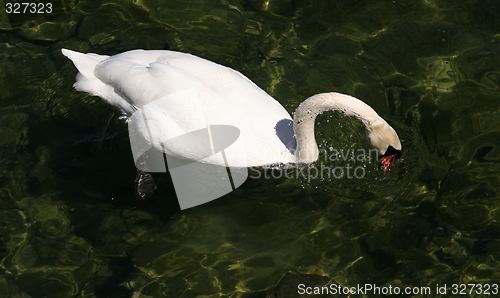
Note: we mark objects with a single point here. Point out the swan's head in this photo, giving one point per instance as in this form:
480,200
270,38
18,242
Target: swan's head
384,138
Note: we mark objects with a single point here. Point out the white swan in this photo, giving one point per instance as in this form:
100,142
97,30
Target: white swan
187,93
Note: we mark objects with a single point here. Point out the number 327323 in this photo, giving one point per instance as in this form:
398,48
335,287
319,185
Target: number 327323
28,7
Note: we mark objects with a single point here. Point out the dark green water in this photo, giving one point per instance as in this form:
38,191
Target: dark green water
71,226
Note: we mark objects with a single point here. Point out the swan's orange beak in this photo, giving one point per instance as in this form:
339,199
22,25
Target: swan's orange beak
387,162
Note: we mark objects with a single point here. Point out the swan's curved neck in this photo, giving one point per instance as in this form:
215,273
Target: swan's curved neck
305,115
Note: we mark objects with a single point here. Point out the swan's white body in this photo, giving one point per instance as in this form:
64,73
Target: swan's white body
188,86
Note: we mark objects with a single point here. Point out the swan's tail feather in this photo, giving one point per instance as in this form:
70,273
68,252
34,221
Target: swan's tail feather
85,63
87,81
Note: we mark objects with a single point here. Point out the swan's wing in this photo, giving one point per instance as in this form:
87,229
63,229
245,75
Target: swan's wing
169,117
175,71
206,71
188,93
143,83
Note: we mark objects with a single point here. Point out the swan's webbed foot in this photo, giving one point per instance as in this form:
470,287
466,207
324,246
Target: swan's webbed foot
144,184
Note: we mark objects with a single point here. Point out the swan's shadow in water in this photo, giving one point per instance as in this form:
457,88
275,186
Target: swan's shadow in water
284,131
